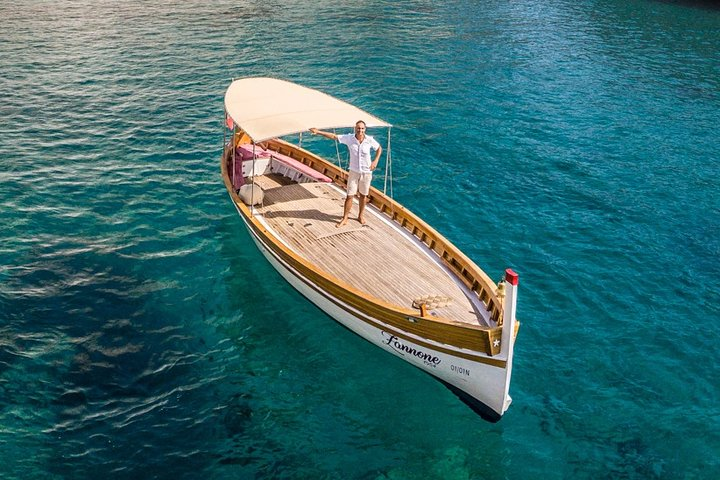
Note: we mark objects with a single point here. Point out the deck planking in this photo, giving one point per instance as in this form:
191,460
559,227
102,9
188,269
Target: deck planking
374,258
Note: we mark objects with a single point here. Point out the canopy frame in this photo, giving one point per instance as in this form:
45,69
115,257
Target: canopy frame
267,108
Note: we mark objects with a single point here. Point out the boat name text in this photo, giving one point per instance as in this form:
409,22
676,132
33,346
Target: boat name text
396,344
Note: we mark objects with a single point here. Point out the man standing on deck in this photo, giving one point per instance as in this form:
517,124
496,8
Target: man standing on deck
361,167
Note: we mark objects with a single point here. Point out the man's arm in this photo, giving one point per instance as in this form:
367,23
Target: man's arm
374,163
329,135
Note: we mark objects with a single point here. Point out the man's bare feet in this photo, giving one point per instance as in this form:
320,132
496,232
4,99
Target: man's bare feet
361,220
341,223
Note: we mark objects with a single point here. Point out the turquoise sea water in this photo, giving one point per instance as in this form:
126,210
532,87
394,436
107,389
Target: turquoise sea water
142,335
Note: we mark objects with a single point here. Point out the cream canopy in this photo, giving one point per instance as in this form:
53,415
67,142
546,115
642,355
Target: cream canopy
267,108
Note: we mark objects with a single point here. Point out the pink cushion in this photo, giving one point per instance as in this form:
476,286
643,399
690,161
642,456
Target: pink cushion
300,167
245,151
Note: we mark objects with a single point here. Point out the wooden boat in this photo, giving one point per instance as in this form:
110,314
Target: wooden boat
394,281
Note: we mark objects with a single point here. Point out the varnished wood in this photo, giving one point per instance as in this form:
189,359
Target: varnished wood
466,335
375,258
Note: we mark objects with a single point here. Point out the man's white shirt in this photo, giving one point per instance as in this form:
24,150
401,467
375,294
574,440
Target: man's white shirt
360,158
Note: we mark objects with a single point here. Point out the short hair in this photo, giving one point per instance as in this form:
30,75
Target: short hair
361,121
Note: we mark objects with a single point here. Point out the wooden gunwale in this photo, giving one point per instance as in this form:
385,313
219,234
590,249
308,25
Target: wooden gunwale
438,329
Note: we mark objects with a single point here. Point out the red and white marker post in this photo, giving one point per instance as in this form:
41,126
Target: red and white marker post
511,285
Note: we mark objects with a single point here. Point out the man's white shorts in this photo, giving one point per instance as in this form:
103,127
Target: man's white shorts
359,182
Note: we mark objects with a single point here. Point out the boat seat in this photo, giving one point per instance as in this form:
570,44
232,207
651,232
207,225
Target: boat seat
245,151
283,162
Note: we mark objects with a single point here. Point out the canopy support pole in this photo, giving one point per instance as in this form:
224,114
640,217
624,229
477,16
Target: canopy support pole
232,141
252,189
388,167
225,145
232,145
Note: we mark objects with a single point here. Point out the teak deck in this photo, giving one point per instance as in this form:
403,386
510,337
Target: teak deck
375,258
